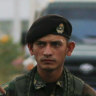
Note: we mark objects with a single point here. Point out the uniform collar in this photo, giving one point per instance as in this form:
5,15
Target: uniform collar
39,83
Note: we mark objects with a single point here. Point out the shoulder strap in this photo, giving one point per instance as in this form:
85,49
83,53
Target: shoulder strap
78,86
22,83
74,85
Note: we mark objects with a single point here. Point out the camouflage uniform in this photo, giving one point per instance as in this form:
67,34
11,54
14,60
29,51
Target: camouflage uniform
32,85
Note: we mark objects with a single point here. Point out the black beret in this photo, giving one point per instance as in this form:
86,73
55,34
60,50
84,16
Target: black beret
49,24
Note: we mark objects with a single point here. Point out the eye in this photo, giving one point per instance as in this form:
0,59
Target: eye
40,44
56,44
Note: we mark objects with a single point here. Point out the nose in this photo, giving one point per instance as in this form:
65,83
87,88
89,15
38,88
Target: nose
47,51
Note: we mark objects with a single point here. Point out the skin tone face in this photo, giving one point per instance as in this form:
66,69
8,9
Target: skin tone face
50,52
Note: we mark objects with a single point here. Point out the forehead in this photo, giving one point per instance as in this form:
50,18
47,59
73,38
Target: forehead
52,37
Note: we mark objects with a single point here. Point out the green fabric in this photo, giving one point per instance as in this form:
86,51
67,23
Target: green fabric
32,85
79,84
48,88
39,83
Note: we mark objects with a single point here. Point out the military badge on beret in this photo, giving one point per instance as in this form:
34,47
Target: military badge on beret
60,28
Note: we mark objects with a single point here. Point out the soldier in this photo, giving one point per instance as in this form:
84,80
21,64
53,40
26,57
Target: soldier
48,40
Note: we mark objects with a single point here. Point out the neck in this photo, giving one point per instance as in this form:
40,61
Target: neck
50,76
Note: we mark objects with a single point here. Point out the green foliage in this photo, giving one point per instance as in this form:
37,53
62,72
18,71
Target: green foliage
9,52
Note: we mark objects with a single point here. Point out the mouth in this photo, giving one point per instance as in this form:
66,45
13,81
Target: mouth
48,60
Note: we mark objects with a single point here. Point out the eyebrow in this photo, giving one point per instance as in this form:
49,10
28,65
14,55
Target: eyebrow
40,41
49,41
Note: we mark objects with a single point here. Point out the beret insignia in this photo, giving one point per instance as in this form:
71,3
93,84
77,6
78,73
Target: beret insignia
60,28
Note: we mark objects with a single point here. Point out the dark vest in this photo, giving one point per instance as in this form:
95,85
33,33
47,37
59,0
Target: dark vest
22,85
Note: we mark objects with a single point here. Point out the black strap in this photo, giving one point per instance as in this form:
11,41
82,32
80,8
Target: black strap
24,84
78,85
73,85
30,85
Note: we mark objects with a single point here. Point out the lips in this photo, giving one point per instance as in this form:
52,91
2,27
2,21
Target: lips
48,60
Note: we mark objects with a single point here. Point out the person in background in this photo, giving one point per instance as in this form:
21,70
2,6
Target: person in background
48,40
28,61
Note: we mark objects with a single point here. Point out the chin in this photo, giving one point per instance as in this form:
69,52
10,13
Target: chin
48,68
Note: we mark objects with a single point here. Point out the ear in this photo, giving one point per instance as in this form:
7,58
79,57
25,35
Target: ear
71,46
30,46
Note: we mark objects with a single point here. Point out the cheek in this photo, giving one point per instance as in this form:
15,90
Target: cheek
37,53
61,54
62,51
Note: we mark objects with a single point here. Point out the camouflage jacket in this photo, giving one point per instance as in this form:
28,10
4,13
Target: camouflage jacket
31,84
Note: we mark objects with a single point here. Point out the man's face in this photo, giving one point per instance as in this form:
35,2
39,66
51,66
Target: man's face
50,52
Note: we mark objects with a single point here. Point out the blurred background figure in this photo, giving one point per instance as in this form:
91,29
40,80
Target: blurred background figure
29,63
